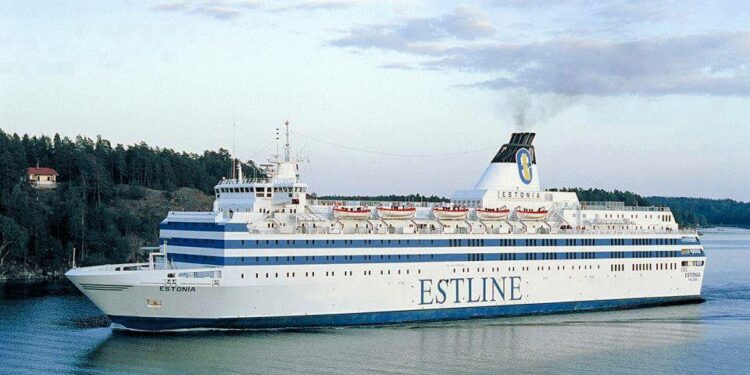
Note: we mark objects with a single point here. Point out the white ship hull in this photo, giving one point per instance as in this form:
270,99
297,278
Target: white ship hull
353,294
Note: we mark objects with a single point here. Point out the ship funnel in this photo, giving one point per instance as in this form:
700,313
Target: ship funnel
507,153
513,167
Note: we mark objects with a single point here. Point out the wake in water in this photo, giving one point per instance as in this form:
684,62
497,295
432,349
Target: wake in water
727,292
91,321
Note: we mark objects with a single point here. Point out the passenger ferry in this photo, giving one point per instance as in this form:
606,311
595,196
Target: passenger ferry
269,256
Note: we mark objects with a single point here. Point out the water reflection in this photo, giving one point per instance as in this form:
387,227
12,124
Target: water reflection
531,344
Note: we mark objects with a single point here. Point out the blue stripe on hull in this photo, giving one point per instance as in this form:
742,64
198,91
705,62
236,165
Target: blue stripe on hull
302,243
273,260
393,317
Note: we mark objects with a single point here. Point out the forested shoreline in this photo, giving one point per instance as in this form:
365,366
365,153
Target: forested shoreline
110,199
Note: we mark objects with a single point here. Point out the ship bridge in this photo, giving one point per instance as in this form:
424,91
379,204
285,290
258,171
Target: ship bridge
279,191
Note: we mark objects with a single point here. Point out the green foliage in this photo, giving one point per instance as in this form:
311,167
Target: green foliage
92,208
13,238
707,212
688,212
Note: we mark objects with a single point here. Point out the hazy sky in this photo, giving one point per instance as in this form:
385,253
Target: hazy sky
652,97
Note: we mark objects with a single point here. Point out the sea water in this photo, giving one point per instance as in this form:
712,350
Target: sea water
65,333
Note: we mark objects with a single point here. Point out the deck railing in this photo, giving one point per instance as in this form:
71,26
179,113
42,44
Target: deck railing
372,204
620,206
477,231
235,181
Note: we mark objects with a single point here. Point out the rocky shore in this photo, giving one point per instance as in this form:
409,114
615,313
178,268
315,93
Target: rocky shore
15,272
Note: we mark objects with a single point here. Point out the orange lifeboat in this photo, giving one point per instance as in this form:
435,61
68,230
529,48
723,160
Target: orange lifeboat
501,213
531,214
352,213
450,213
396,212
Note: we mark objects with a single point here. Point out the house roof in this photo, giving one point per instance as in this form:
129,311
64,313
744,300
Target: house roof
41,171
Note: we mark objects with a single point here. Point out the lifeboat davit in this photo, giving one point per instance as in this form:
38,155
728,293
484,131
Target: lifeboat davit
530,214
396,212
450,213
352,213
501,213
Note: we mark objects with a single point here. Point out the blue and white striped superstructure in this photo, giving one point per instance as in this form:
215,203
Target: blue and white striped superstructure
266,257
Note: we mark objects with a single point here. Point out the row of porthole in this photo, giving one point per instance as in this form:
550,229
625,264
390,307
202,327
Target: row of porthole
470,257
572,268
333,257
613,268
645,267
473,242
492,269
328,273
650,267
539,268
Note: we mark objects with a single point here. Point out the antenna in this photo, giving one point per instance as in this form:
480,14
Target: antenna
238,163
286,146
234,146
277,143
